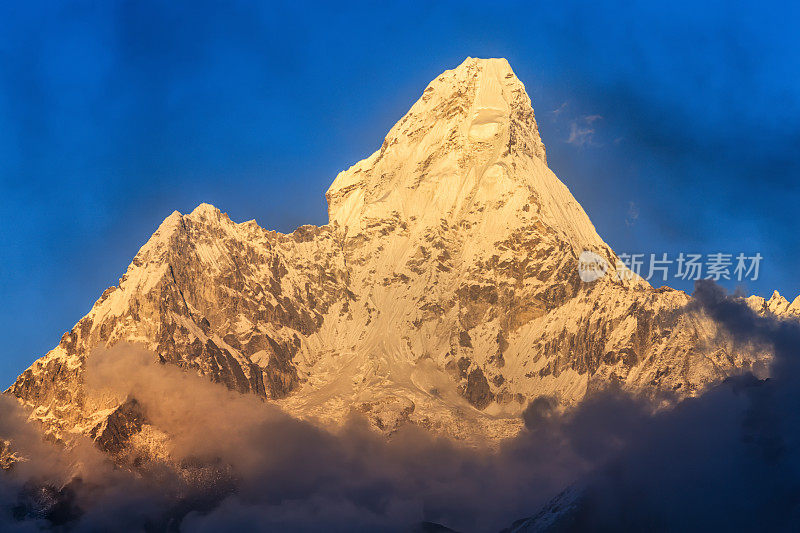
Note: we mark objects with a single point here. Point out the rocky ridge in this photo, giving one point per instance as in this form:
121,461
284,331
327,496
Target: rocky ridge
443,292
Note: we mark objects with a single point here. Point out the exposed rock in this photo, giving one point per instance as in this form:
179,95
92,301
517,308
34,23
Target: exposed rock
389,413
451,255
7,455
112,435
477,391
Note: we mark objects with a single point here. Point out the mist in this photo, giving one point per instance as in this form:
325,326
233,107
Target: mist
725,460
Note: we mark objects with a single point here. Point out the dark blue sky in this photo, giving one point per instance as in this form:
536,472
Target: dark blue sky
114,114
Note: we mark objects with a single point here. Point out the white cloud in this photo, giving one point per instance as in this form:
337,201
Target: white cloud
633,214
580,135
561,108
582,131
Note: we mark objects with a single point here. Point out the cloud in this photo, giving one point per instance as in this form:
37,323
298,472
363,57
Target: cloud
632,215
726,459
579,135
243,461
559,110
582,132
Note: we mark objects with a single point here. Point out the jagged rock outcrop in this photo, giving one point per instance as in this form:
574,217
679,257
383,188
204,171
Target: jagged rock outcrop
443,292
114,432
7,455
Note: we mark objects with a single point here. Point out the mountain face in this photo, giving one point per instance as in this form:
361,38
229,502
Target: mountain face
444,292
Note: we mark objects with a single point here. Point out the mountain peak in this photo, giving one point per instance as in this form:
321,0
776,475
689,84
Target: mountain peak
490,66
449,274
205,210
496,69
467,152
490,96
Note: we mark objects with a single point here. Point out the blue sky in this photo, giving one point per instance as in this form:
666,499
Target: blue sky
676,126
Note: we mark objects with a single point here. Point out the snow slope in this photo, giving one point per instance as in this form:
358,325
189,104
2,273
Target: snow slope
444,292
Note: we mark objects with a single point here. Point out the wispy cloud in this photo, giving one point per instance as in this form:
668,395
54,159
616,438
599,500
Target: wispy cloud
226,445
559,110
633,214
581,132
580,135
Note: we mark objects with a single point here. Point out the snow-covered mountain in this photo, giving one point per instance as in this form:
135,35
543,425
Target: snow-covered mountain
444,292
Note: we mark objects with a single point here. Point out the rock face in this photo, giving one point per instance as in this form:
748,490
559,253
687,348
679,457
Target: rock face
443,292
7,456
